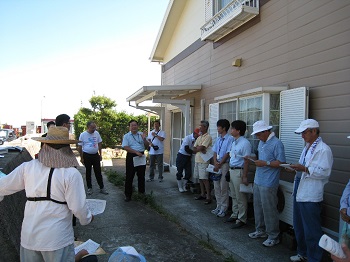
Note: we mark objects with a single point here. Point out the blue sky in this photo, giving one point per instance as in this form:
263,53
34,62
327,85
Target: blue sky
76,47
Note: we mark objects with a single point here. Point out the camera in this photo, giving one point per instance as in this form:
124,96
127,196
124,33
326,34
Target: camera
155,147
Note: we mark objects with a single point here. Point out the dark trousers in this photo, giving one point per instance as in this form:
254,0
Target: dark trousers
183,162
130,174
93,160
307,227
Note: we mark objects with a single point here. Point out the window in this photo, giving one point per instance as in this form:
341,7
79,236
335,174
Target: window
220,4
228,111
251,109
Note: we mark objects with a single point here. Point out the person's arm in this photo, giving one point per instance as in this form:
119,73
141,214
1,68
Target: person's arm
100,150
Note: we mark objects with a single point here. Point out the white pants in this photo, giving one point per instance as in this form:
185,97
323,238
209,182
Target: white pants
221,189
64,254
239,200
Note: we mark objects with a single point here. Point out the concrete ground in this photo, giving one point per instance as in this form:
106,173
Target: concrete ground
132,223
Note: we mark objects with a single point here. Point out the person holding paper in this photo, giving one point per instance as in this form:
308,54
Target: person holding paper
266,181
55,191
201,147
221,158
156,141
346,252
240,148
135,143
184,160
313,171
90,150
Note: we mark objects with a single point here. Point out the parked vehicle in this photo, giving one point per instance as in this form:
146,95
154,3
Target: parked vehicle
7,135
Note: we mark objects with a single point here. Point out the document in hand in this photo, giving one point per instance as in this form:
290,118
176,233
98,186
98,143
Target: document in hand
139,160
96,206
210,169
246,189
331,246
209,154
90,246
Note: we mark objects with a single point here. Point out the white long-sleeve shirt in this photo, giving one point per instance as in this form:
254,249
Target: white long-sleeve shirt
319,164
47,225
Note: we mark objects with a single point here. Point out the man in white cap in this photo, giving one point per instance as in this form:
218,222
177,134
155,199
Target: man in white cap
271,155
55,191
313,171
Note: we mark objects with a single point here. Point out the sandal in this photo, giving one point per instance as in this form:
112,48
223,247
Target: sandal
200,197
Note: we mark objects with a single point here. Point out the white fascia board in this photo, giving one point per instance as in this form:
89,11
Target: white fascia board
265,89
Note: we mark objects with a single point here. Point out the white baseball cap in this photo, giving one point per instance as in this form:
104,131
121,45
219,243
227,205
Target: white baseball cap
305,124
260,126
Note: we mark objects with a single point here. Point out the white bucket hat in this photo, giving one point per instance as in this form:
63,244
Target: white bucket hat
260,126
305,124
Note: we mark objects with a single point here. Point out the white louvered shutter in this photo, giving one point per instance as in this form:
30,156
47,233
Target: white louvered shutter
213,118
294,107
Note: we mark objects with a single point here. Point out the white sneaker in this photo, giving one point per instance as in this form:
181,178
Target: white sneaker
215,211
221,214
257,234
297,258
271,242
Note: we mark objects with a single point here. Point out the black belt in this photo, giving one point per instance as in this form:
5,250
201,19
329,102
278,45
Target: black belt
236,167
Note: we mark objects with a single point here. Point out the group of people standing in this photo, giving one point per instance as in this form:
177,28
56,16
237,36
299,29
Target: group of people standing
232,156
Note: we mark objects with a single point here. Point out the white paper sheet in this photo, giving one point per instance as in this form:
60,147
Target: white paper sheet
249,158
210,169
287,166
89,245
139,160
331,246
96,206
246,189
209,154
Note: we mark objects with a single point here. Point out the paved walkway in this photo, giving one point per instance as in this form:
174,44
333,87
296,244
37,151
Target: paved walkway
158,239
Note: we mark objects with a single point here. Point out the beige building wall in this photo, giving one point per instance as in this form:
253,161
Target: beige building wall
295,43
188,28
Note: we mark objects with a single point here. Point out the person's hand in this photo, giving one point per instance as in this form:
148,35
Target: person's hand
245,180
344,216
347,254
298,167
81,254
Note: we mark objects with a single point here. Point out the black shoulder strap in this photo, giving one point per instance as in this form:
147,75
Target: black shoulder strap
48,191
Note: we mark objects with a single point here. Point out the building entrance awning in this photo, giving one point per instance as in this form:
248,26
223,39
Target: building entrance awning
155,94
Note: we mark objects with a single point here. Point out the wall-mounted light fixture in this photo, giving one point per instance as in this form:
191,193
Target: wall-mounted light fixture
237,62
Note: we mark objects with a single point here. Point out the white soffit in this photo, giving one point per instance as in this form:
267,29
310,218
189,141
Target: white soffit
249,92
150,93
169,23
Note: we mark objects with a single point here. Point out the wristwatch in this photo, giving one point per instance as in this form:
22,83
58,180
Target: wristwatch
268,163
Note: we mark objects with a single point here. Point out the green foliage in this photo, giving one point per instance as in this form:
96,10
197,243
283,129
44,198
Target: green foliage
112,125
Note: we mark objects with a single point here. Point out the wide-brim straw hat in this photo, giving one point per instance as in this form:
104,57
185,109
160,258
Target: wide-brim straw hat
56,135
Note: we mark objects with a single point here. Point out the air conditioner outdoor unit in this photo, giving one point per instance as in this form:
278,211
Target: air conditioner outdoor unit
287,213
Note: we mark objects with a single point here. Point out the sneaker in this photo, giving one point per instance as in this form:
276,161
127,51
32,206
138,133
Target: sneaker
89,191
215,211
149,180
221,214
297,258
103,191
271,242
257,234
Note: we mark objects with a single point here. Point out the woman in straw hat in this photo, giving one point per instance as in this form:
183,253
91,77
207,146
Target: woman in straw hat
55,191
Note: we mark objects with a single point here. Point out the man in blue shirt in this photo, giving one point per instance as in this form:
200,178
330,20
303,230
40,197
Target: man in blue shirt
270,156
240,148
221,158
135,143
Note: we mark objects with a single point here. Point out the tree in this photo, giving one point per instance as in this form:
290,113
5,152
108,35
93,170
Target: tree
112,125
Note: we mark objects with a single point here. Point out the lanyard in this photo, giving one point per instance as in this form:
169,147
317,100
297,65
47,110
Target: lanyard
138,140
